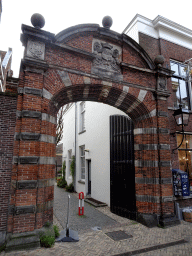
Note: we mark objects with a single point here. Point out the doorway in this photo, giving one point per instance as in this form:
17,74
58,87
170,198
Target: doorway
122,171
89,177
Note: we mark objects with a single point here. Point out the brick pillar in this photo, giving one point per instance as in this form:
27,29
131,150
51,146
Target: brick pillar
8,103
147,186
153,176
34,162
33,170
167,216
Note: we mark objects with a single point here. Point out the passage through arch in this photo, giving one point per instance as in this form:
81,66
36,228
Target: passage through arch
87,63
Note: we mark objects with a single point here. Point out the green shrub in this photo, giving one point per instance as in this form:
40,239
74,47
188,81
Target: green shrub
2,247
47,240
47,224
63,170
61,183
47,235
72,167
56,230
70,187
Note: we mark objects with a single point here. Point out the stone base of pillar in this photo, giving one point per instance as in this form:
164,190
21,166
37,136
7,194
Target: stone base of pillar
168,220
148,220
19,241
27,240
2,238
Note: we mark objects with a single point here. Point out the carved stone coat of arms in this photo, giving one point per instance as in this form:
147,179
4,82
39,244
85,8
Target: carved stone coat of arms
107,60
36,49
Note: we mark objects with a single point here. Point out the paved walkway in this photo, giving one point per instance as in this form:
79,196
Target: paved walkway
141,240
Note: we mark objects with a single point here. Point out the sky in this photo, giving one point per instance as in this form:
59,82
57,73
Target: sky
60,14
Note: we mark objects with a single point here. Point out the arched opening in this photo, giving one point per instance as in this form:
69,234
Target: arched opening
115,97
100,138
87,63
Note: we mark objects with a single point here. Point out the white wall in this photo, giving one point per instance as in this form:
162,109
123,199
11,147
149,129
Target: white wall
68,139
160,27
96,139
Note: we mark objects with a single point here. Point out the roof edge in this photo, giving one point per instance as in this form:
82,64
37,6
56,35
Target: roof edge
64,34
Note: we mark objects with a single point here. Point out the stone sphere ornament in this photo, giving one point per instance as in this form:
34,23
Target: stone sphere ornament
37,20
159,60
107,22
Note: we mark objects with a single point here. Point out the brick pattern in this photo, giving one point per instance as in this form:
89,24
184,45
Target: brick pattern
7,130
68,78
176,52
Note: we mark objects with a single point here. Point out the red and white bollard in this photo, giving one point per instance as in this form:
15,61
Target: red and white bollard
81,203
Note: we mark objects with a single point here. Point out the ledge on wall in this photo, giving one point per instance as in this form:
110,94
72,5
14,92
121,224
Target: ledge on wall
81,181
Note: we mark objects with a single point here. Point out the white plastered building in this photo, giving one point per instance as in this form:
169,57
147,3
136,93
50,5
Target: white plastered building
91,147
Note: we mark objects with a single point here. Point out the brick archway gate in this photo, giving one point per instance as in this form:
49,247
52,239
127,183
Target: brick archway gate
87,62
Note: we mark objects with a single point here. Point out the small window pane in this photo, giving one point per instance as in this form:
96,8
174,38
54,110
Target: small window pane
83,175
183,92
82,151
174,79
70,159
182,71
82,161
174,67
82,116
185,156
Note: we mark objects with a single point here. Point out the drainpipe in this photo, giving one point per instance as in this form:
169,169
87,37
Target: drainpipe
75,144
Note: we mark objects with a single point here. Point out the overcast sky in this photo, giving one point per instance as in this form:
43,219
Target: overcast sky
60,14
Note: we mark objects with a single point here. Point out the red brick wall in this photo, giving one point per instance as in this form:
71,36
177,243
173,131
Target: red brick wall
79,71
7,130
178,53
169,50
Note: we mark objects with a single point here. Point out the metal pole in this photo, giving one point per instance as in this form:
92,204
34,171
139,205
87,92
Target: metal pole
67,225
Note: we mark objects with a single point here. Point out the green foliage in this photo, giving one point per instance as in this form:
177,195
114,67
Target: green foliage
81,216
72,167
63,170
47,224
159,226
70,187
47,235
56,230
62,183
2,247
47,240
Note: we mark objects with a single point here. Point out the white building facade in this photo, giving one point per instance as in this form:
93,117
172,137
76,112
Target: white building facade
91,146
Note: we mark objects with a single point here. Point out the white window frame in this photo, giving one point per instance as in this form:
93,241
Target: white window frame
69,162
182,77
82,116
82,159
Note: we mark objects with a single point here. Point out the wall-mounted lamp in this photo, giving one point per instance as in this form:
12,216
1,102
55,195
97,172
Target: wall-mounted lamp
86,150
181,117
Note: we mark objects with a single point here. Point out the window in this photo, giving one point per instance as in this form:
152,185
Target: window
180,85
69,162
185,156
82,162
82,116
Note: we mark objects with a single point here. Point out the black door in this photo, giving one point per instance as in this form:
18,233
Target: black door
122,171
89,177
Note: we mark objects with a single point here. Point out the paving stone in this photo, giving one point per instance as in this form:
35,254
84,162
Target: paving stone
98,243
